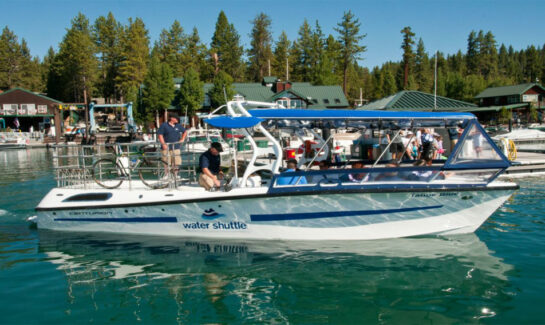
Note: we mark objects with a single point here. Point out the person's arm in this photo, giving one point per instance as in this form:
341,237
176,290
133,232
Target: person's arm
184,135
162,141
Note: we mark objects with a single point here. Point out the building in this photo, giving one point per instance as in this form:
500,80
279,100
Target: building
518,99
21,109
289,94
411,100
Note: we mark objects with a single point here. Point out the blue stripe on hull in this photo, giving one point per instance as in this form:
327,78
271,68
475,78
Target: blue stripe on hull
333,214
146,220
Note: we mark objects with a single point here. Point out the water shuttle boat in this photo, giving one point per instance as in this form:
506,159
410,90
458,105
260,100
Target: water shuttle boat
262,201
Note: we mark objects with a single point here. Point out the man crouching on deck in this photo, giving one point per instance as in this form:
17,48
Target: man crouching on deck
209,165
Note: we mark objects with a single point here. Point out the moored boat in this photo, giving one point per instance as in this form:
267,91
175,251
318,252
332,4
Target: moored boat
261,202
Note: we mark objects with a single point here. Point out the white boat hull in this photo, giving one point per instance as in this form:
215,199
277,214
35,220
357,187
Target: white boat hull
252,214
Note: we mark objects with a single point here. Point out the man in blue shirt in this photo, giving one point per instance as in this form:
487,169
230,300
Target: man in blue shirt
171,135
209,166
291,180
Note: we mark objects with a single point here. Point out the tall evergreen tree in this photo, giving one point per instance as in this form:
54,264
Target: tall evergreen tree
489,56
408,54
77,61
260,52
107,36
349,38
158,90
222,89
191,94
472,55
282,57
17,67
423,73
171,46
303,54
531,68
134,59
195,56
226,49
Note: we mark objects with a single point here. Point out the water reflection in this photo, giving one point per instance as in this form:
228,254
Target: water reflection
196,281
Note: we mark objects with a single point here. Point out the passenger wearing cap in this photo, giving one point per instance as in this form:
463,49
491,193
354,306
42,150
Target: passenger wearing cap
209,166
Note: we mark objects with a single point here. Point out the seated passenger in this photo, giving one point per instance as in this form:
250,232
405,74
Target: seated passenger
389,176
291,180
209,166
355,177
325,178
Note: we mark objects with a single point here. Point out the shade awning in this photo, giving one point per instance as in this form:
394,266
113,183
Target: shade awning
229,122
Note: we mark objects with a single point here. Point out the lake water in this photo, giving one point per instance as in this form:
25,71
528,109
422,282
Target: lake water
494,276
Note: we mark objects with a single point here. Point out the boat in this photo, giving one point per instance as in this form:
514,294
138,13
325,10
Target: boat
12,142
524,139
379,201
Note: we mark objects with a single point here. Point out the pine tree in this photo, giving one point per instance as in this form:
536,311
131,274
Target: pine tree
107,36
191,94
489,56
472,55
195,56
222,89
260,53
17,67
158,90
408,54
77,64
303,55
531,68
134,59
171,46
226,46
388,83
282,56
349,38
422,71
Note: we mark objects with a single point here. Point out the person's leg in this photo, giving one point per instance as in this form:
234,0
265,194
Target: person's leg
206,182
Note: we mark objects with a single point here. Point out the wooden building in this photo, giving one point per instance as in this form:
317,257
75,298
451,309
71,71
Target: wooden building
21,109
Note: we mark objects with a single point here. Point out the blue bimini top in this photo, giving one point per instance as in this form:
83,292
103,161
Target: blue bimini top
343,114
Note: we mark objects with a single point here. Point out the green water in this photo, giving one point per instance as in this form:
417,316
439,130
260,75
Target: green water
494,276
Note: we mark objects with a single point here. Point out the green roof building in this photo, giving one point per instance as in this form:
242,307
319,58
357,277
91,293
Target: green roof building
411,100
289,94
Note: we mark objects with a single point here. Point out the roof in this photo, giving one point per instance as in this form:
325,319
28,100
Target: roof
345,114
321,96
408,100
269,80
30,92
507,90
493,108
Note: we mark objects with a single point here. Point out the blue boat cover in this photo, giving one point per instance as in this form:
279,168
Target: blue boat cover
229,122
343,114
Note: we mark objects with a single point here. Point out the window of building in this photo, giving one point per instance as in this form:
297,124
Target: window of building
337,101
326,101
42,109
10,109
513,99
315,101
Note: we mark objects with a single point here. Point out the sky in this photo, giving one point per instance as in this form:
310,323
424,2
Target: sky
442,25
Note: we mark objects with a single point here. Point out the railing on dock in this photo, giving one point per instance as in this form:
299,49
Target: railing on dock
136,165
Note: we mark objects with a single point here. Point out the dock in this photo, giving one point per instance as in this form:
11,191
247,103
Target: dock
526,164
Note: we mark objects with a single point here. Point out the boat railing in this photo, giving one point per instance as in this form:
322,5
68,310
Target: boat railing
136,165
380,178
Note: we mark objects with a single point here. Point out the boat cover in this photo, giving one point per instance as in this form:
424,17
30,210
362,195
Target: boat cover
229,122
343,114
